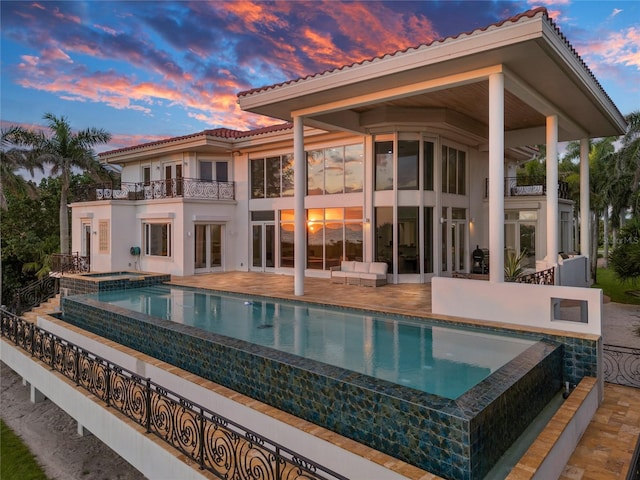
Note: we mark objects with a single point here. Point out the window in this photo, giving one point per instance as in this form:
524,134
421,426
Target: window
454,171
103,236
427,171
408,156
221,170
384,165
272,177
384,236
333,235
335,170
286,238
157,239
146,175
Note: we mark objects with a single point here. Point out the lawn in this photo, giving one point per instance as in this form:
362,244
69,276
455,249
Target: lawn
615,289
16,461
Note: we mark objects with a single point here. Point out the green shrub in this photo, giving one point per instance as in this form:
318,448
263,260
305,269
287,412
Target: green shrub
624,259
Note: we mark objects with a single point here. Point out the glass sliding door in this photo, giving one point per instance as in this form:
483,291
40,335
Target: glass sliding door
263,246
208,248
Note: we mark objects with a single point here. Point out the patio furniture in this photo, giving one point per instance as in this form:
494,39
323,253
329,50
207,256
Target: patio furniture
367,274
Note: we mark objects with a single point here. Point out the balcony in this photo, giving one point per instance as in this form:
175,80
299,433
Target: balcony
172,188
529,186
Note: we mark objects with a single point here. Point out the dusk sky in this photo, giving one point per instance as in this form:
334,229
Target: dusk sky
149,70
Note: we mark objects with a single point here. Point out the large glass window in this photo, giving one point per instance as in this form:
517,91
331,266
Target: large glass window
157,239
257,178
408,257
335,170
454,171
384,236
286,238
384,165
353,168
428,239
427,170
408,155
287,175
333,235
271,177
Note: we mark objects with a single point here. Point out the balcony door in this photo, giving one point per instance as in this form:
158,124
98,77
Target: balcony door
173,179
208,247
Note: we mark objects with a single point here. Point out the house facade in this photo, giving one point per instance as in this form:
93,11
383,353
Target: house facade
408,158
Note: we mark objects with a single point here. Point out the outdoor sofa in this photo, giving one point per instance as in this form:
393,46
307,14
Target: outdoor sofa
368,274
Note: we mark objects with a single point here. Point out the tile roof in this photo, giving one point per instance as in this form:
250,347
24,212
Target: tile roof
528,14
222,133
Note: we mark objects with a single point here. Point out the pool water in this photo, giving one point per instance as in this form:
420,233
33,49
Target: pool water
411,352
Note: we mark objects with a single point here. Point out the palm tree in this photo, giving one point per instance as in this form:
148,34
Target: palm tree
64,150
629,160
12,161
602,178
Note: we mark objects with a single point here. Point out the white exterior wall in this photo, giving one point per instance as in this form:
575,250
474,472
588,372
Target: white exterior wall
127,216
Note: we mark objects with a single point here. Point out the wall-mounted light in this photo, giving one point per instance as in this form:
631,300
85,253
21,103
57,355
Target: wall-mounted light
443,220
157,167
472,220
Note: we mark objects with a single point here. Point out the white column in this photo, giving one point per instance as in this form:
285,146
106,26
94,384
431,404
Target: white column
585,211
496,177
552,190
300,224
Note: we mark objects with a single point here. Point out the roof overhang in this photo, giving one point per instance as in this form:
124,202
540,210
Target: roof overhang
543,76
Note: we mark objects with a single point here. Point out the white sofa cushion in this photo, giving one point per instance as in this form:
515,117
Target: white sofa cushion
379,268
362,267
347,266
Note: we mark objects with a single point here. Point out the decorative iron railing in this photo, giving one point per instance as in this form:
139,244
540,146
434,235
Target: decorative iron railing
69,263
520,186
543,277
216,444
621,365
34,294
171,188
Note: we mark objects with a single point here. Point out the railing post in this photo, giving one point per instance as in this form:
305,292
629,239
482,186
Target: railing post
53,351
108,385
201,449
77,366
148,401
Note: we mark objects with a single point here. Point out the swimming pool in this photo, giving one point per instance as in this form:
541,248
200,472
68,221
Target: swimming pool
459,438
434,359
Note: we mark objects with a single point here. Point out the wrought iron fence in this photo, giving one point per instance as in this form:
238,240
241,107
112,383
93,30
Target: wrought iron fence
215,443
621,365
170,188
543,277
34,294
69,263
523,186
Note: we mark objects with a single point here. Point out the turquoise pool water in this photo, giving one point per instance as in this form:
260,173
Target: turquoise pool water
410,352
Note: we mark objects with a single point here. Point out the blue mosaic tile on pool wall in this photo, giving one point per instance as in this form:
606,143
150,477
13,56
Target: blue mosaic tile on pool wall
457,439
101,282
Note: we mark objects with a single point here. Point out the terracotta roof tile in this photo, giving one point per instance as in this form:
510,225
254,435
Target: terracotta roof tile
224,133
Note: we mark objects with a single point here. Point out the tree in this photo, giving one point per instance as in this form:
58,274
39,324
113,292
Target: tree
63,150
12,161
601,185
629,160
625,258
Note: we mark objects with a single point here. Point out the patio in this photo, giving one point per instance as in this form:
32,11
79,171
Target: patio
408,299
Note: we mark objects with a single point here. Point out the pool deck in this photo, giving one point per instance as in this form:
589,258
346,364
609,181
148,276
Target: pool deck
606,448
